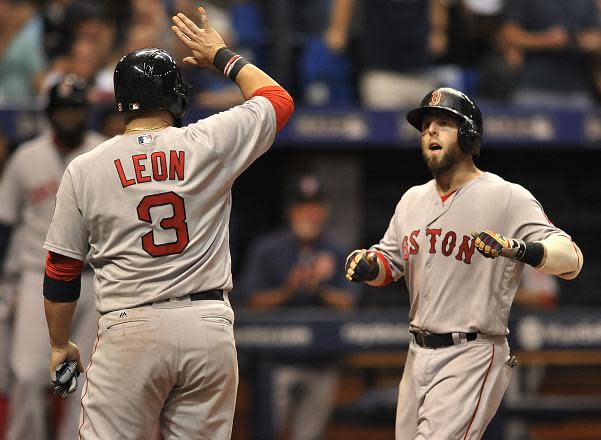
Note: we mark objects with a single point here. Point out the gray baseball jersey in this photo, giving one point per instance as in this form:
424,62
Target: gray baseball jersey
28,191
154,206
452,287
27,195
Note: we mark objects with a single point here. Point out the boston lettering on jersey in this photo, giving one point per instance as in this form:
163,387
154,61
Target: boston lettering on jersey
446,245
159,166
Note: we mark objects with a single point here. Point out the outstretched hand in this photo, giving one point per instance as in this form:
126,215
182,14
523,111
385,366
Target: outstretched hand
201,38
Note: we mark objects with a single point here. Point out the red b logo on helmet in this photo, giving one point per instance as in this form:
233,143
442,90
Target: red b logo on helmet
435,98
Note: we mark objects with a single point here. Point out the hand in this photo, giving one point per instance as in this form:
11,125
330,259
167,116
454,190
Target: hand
556,37
361,265
201,39
491,244
65,366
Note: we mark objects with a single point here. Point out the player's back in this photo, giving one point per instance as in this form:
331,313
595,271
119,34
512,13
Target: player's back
156,206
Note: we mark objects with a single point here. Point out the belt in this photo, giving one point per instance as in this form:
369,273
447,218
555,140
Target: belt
427,339
214,294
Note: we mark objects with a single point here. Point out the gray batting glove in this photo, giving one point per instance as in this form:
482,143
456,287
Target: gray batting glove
64,380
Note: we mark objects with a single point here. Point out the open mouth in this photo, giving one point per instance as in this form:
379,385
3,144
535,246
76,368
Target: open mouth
434,147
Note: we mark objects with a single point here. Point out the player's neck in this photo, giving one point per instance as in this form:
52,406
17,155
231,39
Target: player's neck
155,121
456,177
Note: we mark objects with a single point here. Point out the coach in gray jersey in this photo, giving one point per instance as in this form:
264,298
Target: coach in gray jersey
27,196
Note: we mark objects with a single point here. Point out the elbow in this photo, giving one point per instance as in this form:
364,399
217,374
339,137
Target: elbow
579,263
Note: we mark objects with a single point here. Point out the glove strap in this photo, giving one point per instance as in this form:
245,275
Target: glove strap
530,252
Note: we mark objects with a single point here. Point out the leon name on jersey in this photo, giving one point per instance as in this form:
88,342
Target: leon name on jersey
158,166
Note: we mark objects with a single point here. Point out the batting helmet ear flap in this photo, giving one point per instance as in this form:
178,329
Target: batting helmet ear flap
469,138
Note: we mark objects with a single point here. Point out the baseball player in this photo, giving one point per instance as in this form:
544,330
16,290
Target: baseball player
27,196
459,365
151,209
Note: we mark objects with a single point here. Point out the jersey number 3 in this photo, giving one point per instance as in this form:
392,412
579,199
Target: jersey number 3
177,222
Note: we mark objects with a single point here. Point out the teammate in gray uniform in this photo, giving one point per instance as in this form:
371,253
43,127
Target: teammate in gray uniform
151,207
27,196
459,365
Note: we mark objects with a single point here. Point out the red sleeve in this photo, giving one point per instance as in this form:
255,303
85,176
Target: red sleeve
59,267
282,102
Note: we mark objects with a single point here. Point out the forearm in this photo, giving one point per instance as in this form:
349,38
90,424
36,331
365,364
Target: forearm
270,298
59,316
251,78
340,17
562,257
521,39
336,297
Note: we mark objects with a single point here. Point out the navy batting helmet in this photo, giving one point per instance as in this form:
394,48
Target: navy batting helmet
70,91
150,79
458,104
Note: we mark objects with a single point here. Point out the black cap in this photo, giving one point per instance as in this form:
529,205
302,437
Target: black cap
70,91
306,189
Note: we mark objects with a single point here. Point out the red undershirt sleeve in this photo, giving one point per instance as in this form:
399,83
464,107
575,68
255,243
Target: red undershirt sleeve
282,102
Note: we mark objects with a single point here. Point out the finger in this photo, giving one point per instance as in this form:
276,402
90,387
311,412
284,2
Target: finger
183,37
494,253
204,19
191,60
191,25
487,249
371,257
183,27
475,234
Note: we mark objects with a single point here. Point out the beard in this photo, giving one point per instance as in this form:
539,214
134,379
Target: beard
441,163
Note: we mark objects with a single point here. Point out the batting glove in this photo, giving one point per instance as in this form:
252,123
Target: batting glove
491,245
64,381
361,265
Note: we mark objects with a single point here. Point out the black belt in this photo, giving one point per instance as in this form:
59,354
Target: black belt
426,339
215,294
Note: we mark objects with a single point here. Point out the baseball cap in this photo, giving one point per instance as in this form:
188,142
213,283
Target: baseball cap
306,189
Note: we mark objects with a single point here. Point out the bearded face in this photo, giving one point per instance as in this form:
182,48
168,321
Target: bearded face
439,144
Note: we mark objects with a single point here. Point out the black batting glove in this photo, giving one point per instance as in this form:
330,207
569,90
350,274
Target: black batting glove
361,265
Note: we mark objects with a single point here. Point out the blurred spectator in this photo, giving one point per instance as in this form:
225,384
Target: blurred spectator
82,60
473,62
552,42
306,48
400,39
137,37
21,55
299,266
66,21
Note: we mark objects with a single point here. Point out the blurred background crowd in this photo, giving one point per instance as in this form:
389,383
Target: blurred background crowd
346,55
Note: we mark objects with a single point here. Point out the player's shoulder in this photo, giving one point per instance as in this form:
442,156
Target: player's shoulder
417,192
34,147
496,182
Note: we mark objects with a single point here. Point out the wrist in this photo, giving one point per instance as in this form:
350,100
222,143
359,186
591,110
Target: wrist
529,252
228,62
